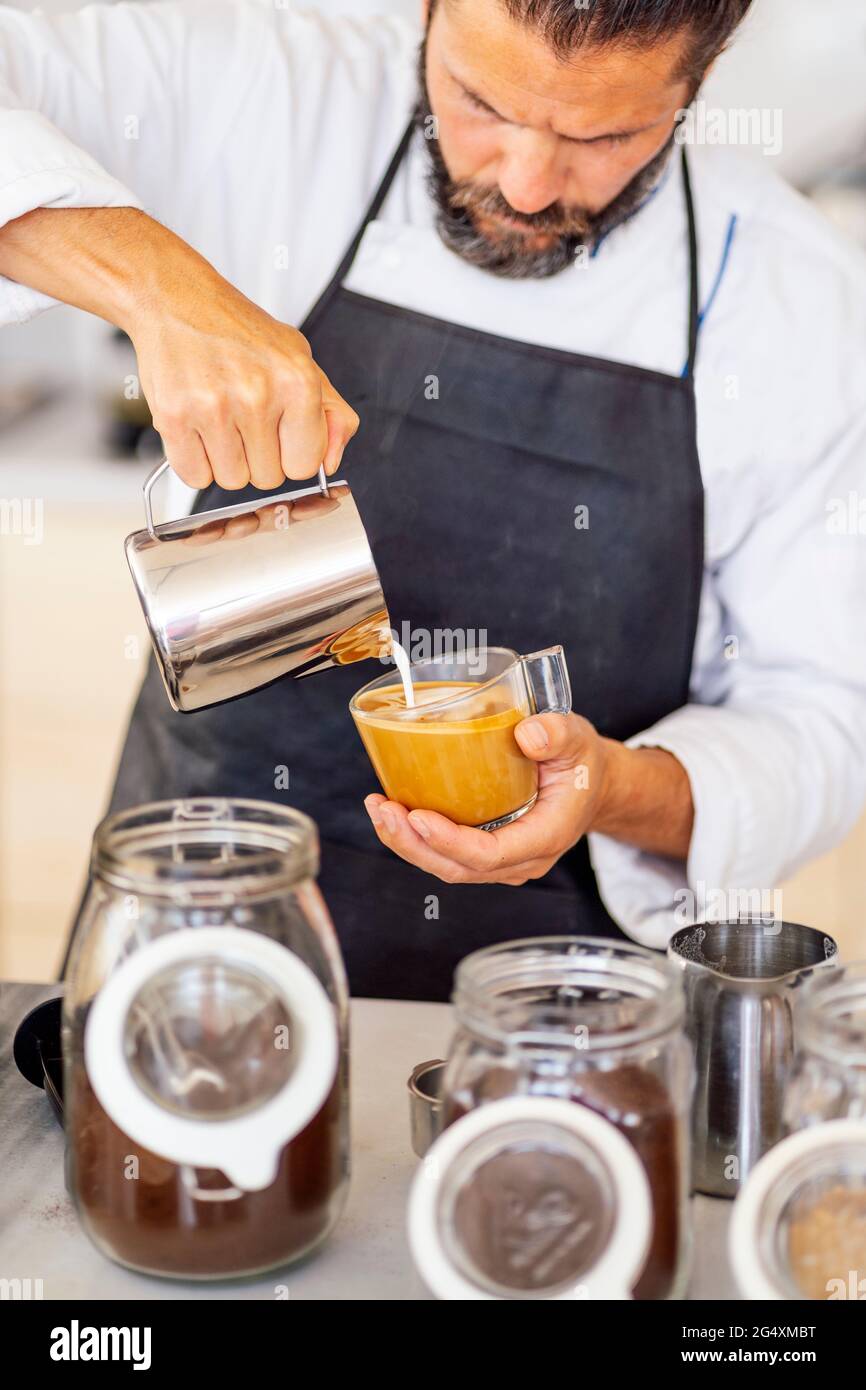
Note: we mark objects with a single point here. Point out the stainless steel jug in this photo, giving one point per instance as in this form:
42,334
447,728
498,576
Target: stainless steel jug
237,597
740,980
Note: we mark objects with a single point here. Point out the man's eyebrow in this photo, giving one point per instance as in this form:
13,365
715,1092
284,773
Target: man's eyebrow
623,134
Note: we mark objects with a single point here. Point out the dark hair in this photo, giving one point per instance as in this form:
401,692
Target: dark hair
567,24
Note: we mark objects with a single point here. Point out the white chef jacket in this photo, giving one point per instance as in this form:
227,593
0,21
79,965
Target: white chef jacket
259,133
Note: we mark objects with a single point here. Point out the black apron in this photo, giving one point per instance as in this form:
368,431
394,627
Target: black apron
470,501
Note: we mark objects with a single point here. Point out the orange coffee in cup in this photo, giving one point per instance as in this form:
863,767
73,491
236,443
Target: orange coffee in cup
461,760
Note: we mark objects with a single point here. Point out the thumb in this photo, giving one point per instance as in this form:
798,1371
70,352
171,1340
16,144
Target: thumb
554,737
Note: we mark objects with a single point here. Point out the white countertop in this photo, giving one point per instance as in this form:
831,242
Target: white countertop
367,1256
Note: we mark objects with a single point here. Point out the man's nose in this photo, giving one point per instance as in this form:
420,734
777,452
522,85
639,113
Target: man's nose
530,178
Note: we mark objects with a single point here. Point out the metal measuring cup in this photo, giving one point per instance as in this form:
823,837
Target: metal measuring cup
741,978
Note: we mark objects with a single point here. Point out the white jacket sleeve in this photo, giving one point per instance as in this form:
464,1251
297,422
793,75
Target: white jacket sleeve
778,764
95,109
39,167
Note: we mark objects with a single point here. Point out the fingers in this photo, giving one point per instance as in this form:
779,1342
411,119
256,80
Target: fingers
451,852
555,738
272,447
257,410
258,423
303,433
342,425
336,443
391,823
225,449
316,504
244,525
188,457
202,441
205,535
476,850
539,835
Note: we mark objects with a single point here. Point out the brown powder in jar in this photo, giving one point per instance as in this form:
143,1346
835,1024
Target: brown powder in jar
827,1245
639,1105
151,1223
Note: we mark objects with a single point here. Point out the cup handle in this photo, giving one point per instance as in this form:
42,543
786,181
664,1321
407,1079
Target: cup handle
154,476
547,680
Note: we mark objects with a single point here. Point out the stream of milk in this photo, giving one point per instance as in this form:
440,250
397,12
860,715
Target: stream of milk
401,661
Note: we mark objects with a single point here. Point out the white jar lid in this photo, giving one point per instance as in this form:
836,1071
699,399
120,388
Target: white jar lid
833,1151
530,1198
244,1145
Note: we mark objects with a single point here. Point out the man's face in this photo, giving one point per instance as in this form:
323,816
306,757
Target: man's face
537,156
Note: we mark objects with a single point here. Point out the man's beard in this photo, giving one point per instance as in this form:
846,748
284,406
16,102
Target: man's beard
511,254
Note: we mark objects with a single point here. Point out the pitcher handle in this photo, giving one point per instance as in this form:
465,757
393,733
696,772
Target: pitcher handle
547,680
149,484
154,476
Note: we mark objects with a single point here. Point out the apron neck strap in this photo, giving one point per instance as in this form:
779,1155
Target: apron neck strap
377,201
694,288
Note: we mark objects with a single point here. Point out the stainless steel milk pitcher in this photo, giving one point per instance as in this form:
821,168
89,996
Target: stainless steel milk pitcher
237,597
741,978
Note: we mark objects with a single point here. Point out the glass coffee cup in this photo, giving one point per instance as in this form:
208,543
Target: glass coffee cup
454,751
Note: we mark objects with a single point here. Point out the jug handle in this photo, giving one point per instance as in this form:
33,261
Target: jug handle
155,475
548,682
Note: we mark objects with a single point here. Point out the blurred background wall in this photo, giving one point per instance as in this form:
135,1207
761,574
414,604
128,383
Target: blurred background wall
72,643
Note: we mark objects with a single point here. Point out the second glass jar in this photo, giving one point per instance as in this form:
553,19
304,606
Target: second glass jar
828,1077
599,1023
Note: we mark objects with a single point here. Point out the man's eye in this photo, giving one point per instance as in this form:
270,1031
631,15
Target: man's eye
478,105
601,142
610,142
